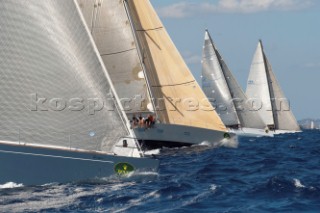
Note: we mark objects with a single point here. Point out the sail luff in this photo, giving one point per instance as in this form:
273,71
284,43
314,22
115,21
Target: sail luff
214,84
170,79
271,94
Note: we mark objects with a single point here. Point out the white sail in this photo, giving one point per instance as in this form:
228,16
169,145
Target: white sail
283,116
312,125
262,82
247,116
54,89
258,90
112,32
215,86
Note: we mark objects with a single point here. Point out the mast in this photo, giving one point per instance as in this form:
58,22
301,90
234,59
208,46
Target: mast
140,57
271,95
284,118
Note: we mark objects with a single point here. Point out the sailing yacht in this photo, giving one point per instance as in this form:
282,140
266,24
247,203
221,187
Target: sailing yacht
312,125
143,62
269,99
61,119
232,105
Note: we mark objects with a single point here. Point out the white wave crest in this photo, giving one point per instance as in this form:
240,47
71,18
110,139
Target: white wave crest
152,152
213,187
298,184
10,185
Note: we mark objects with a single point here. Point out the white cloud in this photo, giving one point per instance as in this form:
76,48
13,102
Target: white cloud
191,58
185,8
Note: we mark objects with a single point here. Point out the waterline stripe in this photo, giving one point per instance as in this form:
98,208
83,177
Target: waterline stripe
54,156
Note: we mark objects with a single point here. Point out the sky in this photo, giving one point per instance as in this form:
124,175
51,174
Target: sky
289,29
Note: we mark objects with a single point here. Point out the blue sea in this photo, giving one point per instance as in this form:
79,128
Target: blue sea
280,174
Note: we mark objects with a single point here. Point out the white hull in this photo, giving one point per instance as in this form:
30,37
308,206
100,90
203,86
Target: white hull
31,165
251,132
177,135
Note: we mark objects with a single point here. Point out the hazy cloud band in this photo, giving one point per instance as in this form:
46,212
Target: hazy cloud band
185,8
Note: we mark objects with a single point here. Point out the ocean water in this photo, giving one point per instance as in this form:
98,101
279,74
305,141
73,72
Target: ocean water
280,174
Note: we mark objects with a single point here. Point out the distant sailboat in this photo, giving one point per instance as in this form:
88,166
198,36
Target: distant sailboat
132,31
60,120
264,89
312,125
232,105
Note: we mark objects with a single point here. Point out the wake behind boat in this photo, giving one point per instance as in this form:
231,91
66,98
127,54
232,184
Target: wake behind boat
232,105
273,106
60,120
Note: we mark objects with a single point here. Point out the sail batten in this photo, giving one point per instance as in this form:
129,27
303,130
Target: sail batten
171,81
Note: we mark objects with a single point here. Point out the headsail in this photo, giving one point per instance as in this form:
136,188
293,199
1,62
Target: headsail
214,84
54,90
278,109
246,116
258,88
112,32
176,92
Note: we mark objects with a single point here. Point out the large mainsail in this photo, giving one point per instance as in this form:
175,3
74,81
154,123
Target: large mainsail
283,116
219,83
281,113
258,88
54,89
112,32
176,92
